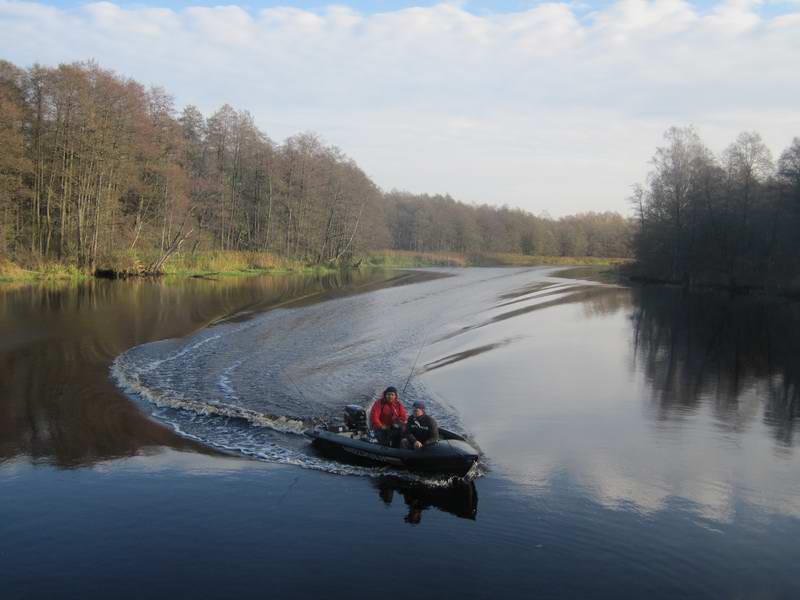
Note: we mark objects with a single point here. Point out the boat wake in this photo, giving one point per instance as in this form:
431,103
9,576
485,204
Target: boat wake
251,433
253,385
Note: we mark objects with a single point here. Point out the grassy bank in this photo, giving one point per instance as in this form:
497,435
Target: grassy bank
180,265
214,262
43,270
231,263
252,263
404,258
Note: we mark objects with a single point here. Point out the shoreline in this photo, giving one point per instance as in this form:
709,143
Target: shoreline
620,275
222,264
786,291
241,264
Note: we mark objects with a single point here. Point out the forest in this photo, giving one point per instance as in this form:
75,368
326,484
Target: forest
97,169
731,221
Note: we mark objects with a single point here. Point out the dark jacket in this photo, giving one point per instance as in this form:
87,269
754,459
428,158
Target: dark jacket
422,429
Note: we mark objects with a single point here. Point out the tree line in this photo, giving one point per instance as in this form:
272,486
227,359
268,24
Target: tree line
730,220
95,165
440,223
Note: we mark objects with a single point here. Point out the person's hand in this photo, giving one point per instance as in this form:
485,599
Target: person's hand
417,445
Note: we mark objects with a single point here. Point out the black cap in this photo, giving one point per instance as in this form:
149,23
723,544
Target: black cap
388,390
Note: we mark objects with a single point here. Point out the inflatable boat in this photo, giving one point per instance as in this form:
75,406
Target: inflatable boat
353,442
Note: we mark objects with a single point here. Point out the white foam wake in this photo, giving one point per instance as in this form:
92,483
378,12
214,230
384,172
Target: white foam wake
128,379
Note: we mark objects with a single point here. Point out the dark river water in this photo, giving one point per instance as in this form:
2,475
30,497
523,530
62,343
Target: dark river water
635,442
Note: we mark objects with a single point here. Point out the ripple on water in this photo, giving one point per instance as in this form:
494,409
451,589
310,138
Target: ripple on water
253,386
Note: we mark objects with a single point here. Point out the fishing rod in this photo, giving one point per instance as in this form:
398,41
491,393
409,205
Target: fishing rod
414,366
297,387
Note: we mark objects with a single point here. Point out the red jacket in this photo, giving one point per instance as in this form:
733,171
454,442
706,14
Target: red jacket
385,414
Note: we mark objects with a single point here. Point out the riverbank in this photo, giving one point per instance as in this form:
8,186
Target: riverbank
229,263
406,258
633,274
13,272
181,265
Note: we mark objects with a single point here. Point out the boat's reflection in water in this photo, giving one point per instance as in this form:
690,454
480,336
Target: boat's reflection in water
459,498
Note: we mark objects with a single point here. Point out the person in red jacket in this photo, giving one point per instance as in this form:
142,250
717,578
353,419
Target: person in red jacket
387,417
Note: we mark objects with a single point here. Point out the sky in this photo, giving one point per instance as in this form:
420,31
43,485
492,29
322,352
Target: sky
551,107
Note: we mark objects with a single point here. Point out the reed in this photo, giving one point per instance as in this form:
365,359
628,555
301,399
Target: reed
218,262
229,262
10,271
524,260
38,269
406,258
127,264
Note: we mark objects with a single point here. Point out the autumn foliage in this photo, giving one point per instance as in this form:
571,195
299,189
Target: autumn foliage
98,172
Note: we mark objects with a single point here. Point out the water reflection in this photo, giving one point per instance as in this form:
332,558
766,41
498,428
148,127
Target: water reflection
630,436
459,498
57,340
596,300
736,355
642,400
555,383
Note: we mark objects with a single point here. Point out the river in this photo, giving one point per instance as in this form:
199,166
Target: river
635,441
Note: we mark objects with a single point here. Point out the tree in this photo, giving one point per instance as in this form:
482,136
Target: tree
725,222
14,166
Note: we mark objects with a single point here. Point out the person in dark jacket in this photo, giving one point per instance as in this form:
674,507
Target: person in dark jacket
388,417
421,429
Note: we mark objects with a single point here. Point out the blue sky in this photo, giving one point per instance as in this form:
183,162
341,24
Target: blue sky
556,108
480,7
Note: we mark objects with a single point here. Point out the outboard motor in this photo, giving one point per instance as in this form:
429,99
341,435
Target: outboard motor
355,417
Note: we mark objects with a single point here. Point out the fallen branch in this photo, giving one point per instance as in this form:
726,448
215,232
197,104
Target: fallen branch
155,268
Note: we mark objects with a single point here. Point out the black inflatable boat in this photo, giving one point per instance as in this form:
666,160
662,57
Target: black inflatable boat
353,442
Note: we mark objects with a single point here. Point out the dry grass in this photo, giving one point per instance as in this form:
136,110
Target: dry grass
405,258
132,263
39,269
229,262
248,263
521,260
199,263
9,270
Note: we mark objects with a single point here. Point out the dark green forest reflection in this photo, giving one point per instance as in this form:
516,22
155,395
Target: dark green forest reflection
731,353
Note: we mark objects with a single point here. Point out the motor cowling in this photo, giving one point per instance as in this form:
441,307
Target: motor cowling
355,417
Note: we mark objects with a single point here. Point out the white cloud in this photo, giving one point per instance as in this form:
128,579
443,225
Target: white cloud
734,17
546,108
641,17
